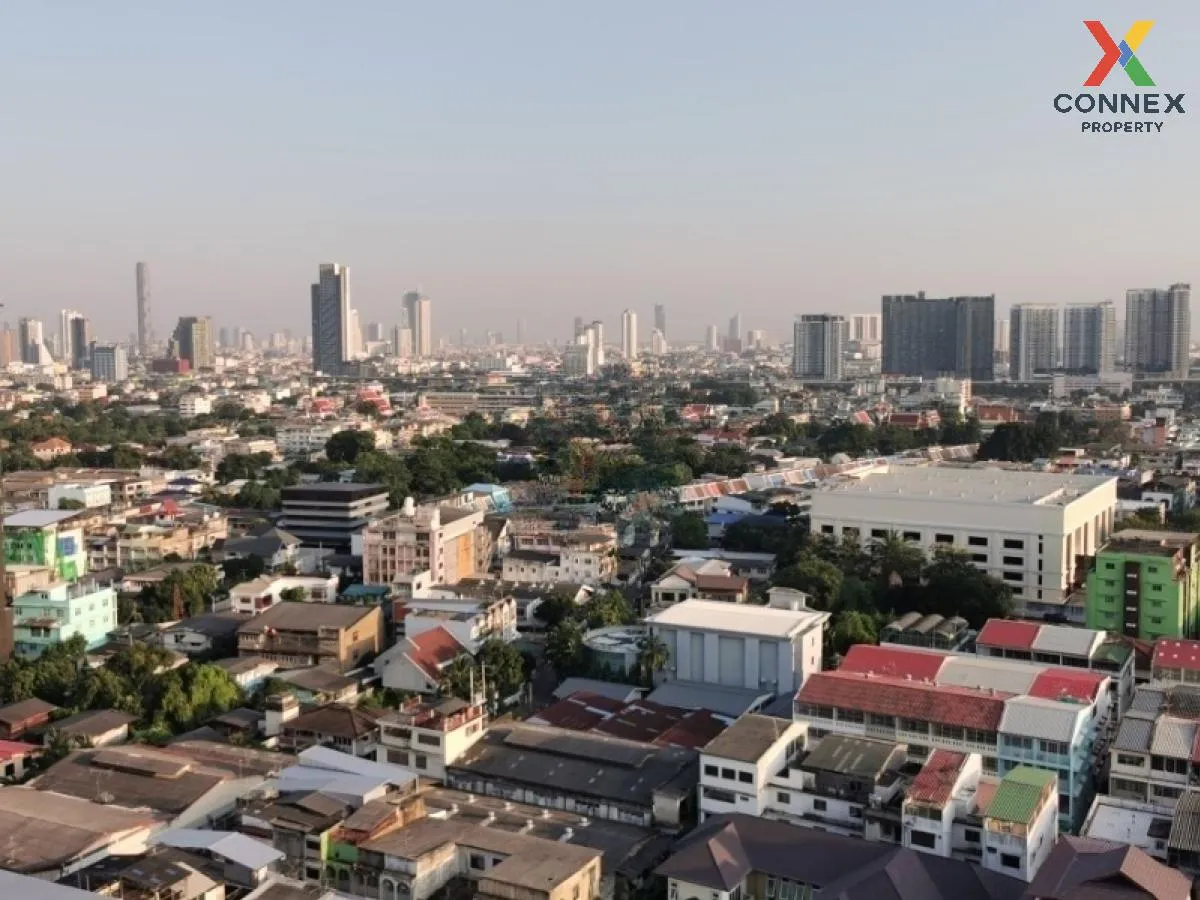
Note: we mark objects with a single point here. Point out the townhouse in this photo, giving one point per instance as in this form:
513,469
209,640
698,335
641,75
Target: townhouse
1155,757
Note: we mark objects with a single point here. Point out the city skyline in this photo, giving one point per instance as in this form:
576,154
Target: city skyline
559,209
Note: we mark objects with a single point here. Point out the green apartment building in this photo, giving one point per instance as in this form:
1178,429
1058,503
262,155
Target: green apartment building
1144,584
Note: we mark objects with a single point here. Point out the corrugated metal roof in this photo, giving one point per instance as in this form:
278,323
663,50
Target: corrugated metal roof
1064,639
1173,737
1134,734
1147,699
1185,824
984,673
1037,718
1020,794
1181,654
1007,634
1075,685
897,662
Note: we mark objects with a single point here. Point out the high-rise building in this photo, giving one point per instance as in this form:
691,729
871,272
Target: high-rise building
32,337
711,339
109,362
193,341
660,318
77,341
224,339
597,339
145,328
1033,344
817,348
331,319
248,341
864,328
419,309
756,338
1090,337
578,326
928,337
402,342
10,346
629,337
658,342
1158,328
374,332
735,328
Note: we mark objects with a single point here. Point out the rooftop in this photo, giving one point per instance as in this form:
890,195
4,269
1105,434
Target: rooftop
1080,868
846,755
737,618
935,782
971,486
1019,795
747,739
306,617
1177,654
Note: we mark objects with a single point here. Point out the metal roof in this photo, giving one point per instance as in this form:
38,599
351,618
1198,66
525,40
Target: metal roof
1173,737
1135,734
235,847
1185,824
1068,640
737,618
988,674
38,518
721,699
1044,719
1020,794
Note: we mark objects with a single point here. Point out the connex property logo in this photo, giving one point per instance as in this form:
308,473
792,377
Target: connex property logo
1095,106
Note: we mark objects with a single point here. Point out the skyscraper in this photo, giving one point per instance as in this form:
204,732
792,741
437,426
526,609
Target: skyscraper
374,332
578,326
710,338
629,339
929,337
817,348
1090,337
109,362
145,328
331,319
660,318
420,319
193,341
32,336
1158,329
402,342
78,341
658,342
864,328
1033,340
597,330
735,328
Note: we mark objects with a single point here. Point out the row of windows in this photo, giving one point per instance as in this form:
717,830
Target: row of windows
973,540
856,716
728,774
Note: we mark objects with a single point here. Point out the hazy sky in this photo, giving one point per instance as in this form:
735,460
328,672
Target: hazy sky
541,160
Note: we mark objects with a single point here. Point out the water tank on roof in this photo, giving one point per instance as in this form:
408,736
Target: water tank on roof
410,507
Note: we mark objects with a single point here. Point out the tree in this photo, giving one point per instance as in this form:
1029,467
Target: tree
652,658
955,587
457,678
688,531
608,608
69,503
556,607
345,446
504,667
294,595
819,579
895,560
851,627
246,568
564,647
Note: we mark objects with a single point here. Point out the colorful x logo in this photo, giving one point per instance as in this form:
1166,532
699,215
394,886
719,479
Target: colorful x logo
1120,53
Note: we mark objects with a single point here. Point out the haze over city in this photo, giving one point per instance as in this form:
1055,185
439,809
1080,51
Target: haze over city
540,161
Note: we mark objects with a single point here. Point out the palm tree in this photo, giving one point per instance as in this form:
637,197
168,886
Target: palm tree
895,560
653,656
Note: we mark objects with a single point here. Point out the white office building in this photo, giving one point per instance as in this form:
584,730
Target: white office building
1029,529
629,335
817,348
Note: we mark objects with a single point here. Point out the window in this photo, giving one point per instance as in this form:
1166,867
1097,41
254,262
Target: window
1014,561
971,835
825,529
729,774
1013,544
943,539
881,721
719,795
979,557
856,812
1013,576
879,532
914,725
819,805
477,861
422,761
783,797
711,771
1169,764
924,839
975,541
854,716
912,535
1110,566
1169,793
1128,759
745,777
429,740
1058,747
1009,861
1018,742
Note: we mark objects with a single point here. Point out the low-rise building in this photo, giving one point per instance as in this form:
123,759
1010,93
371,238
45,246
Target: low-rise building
331,515
416,664
339,727
93,728
699,579
448,539
426,737
310,634
470,621
253,597
24,717
1176,661
51,615
1153,759
1145,584
544,554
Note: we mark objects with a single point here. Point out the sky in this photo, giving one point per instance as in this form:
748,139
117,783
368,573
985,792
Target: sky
535,160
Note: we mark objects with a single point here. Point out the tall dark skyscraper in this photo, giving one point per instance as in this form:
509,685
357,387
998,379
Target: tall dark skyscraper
926,336
660,318
331,319
79,329
145,332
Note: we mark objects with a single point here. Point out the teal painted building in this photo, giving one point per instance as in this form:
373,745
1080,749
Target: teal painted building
54,614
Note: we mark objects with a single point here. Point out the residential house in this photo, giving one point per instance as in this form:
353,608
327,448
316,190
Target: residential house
470,621
54,614
426,737
92,728
309,634
346,729
542,553
255,596
24,717
933,630
416,664
16,757
1152,758
248,672
274,546
47,539
703,579
1084,867
203,635
51,449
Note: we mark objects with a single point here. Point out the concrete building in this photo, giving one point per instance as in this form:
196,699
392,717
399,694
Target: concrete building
310,634
330,515
1090,338
1152,758
110,363
447,539
260,594
1145,584
331,319
145,324
930,337
1034,336
49,616
1038,530
817,348
426,737
193,341
699,579
629,335
418,311
750,648
90,496
1158,327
